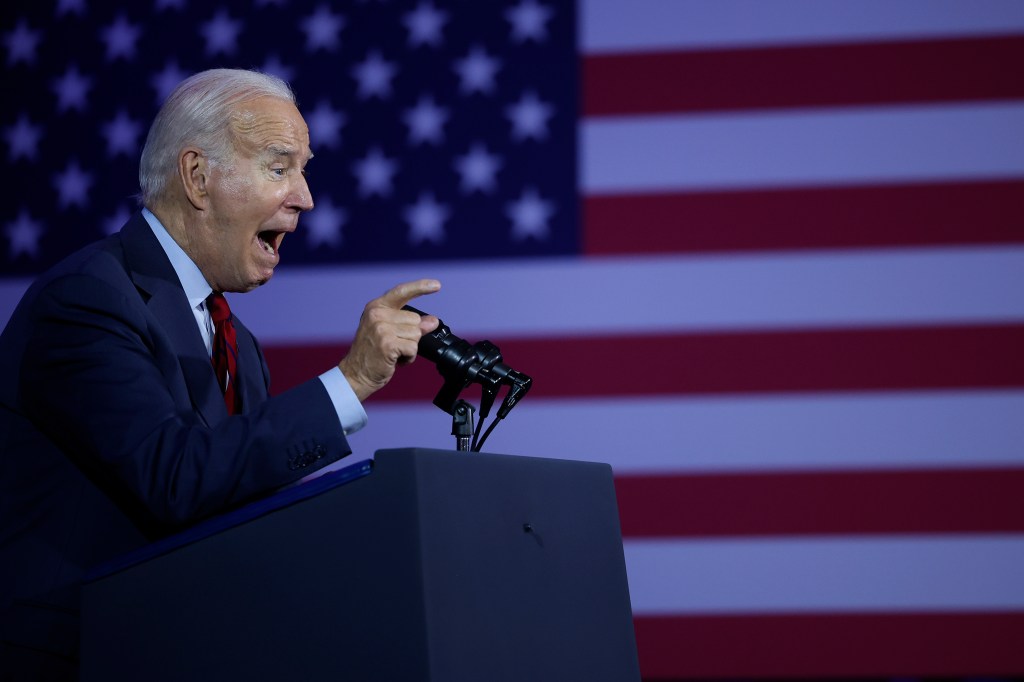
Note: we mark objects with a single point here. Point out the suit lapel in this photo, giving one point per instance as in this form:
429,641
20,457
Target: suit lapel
153,274
251,381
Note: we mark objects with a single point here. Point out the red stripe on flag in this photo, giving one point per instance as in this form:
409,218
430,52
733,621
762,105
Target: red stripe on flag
884,644
817,75
889,215
727,362
928,501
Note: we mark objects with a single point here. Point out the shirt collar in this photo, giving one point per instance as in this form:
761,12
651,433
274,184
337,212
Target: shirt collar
192,281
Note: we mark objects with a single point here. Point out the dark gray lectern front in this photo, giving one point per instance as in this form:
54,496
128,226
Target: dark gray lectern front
429,565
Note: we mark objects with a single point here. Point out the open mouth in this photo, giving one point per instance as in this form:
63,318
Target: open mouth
269,241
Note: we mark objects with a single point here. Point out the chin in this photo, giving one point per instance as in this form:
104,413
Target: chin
260,277
249,285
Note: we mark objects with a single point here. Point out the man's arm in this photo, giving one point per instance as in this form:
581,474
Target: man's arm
101,378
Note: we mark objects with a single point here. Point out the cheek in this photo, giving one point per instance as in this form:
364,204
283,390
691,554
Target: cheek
237,188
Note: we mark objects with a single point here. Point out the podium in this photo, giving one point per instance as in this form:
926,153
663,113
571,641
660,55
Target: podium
425,565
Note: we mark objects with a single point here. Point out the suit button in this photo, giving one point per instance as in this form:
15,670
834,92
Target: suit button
306,458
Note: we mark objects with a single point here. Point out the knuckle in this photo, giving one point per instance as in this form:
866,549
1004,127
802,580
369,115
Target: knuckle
374,314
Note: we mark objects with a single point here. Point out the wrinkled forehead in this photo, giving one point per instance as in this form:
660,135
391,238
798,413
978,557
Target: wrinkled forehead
269,125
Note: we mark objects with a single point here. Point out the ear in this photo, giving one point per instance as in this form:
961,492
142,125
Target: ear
194,174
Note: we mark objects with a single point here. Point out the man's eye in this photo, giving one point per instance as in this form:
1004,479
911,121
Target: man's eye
278,171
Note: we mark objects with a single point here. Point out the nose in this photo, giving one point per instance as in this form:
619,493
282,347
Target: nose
300,198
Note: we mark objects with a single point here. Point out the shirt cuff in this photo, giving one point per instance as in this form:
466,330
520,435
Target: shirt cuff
350,411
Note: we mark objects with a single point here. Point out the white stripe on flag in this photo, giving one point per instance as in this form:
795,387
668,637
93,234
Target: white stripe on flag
672,293
906,430
646,25
826,574
802,148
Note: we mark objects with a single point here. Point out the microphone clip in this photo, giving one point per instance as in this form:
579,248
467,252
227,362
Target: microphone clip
461,363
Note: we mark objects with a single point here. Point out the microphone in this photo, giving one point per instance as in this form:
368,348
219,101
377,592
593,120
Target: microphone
462,363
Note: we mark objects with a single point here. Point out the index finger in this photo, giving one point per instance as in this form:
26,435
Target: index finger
398,296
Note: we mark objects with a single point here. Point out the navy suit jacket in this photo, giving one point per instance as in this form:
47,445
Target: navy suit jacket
113,431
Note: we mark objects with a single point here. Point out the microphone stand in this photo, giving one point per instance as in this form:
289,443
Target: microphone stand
462,424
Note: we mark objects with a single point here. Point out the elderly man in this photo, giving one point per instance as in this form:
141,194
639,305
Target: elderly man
133,402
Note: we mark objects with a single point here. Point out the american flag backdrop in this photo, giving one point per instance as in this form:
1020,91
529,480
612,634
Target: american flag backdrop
766,258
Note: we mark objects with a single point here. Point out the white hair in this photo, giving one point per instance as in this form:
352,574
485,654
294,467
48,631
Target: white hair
198,112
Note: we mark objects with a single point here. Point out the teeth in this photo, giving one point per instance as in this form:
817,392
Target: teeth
266,245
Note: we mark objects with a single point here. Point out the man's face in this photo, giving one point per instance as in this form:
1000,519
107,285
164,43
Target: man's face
256,196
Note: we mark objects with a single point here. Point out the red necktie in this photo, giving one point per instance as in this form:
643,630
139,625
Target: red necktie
225,349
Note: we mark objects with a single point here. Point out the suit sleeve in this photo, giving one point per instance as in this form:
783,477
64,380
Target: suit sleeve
102,381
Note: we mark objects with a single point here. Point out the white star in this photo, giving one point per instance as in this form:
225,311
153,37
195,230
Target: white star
120,38
165,81
426,220
23,235
424,24
221,34
529,215
71,89
23,139
322,29
478,169
122,135
529,117
113,224
73,186
323,224
529,21
67,6
477,71
425,121
274,67
21,44
374,75
374,173
325,123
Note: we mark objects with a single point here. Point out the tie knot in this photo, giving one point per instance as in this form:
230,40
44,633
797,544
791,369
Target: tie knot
218,306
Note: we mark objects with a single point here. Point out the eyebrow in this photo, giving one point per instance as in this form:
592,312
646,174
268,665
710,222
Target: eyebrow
278,150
